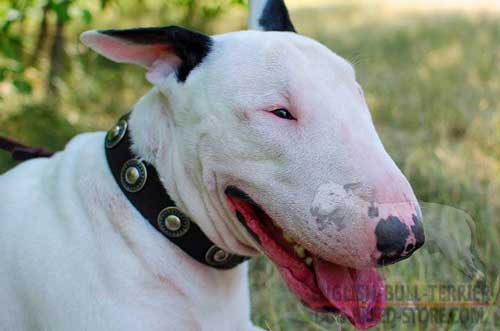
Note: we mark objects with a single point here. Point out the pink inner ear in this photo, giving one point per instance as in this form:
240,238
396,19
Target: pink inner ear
119,50
161,68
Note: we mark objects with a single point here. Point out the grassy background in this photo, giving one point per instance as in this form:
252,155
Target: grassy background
431,79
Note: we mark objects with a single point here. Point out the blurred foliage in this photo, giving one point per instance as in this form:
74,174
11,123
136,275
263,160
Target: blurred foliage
26,26
431,80
45,74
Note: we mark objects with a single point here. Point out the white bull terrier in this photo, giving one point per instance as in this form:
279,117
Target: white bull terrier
247,131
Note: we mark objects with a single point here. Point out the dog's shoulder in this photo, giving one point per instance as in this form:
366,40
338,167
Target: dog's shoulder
37,170
34,184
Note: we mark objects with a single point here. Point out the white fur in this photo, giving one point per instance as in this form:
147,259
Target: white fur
256,9
76,255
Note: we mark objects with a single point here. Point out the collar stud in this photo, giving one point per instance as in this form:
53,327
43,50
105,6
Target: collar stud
173,223
133,175
116,134
216,256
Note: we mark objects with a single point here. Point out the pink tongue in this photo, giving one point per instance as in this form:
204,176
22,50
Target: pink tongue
358,294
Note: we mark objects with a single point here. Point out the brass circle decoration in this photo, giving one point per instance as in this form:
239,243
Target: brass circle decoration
116,134
133,175
173,223
216,256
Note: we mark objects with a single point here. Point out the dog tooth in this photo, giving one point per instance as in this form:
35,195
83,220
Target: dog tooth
309,261
287,237
300,251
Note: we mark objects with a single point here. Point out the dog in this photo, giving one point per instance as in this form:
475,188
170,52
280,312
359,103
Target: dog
263,144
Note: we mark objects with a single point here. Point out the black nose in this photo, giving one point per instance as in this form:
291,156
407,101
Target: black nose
392,235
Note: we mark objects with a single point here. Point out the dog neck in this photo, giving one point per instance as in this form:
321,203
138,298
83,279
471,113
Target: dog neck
154,139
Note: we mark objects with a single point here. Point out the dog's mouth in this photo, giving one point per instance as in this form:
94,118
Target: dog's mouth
321,285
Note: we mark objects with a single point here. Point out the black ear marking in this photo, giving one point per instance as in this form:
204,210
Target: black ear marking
190,46
275,17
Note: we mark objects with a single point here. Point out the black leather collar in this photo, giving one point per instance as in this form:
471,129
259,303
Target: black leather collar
140,183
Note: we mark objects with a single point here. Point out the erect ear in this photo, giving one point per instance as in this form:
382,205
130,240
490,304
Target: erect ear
269,15
163,50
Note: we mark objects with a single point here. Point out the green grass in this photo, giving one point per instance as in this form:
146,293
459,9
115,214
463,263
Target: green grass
433,85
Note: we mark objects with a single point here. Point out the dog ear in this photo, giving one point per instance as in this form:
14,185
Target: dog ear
162,50
269,15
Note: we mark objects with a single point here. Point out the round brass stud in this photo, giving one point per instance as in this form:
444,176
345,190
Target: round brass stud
173,223
133,175
216,256
116,134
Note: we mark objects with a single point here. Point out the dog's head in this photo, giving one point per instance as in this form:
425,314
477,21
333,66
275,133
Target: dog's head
272,131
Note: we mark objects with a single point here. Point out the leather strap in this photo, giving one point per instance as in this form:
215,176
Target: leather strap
140,183
21,152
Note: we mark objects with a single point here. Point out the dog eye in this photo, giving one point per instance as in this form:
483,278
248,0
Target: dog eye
283,113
